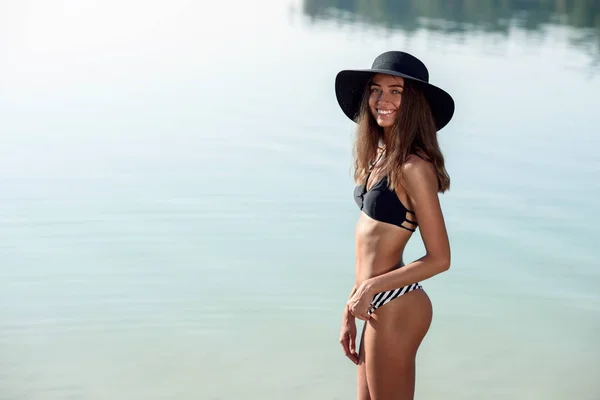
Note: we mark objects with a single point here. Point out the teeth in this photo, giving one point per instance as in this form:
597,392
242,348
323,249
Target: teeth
385,112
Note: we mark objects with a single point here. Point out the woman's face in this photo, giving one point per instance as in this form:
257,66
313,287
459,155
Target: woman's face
385,98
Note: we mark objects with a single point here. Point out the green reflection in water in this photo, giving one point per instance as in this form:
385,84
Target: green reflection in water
464,16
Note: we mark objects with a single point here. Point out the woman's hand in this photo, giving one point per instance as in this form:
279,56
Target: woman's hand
348,337
359,303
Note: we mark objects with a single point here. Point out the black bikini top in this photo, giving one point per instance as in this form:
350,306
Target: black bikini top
382,204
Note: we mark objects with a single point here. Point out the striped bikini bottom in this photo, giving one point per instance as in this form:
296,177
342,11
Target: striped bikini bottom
385,297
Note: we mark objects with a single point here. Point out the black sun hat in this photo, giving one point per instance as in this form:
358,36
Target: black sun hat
350,85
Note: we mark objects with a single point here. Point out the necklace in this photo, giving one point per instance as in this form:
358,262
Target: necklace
381,153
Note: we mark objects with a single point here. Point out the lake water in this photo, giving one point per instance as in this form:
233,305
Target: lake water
176,212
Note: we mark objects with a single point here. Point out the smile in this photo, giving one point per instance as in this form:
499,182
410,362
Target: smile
385,112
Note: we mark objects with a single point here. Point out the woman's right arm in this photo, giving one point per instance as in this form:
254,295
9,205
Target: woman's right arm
346,310
348,332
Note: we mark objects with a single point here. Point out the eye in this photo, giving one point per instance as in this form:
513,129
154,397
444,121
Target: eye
396,91
374,90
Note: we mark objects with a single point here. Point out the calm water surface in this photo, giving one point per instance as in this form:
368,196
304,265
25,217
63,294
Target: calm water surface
176,205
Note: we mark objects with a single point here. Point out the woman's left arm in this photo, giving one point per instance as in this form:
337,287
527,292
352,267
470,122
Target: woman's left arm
422,187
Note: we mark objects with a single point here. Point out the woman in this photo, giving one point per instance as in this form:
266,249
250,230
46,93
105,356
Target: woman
400,171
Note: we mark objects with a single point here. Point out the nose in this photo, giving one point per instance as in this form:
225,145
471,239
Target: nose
383,98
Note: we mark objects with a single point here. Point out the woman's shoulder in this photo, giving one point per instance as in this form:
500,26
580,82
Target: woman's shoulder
417,170
417,160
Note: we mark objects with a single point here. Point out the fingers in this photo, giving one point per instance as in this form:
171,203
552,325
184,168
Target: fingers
352,347
355,309
363,316
348,345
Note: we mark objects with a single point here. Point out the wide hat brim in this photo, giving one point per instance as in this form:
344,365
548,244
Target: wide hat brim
350,87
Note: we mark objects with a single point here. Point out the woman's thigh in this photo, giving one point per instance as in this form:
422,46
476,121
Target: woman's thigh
389,346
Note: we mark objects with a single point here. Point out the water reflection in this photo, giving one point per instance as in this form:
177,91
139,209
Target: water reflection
460,17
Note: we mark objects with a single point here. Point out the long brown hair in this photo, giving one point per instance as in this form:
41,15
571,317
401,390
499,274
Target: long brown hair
414,132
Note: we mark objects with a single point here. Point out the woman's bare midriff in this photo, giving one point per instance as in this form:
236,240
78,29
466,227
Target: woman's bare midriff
379,247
